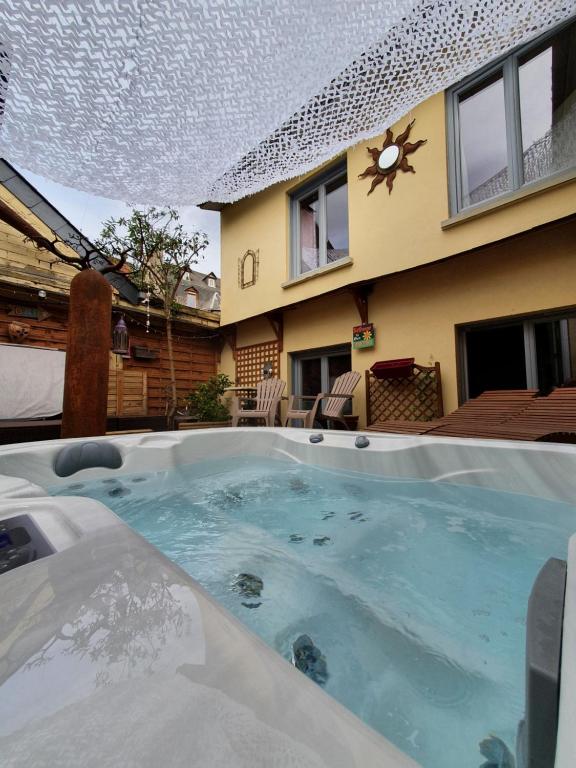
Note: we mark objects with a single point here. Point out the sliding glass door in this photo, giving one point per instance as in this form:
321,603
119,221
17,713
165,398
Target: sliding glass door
537,353
315,370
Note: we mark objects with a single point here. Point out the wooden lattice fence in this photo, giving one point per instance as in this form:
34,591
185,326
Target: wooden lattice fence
417,397
250,362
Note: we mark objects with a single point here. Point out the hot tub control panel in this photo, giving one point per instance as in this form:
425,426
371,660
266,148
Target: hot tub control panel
21,542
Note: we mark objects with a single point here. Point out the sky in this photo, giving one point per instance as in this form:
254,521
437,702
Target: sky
88,213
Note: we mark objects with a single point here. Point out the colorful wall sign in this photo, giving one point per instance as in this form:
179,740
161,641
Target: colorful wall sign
363,336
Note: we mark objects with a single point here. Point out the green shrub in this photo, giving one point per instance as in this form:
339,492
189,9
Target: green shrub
205,403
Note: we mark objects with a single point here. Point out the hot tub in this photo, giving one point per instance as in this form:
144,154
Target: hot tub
111,649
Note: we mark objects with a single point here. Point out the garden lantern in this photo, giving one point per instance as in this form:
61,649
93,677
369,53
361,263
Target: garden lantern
120,339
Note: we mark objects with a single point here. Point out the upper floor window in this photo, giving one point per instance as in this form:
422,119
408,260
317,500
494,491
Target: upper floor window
319,213
211,282
515,122
191,298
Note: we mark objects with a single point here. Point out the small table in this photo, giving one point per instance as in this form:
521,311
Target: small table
252,391
242,393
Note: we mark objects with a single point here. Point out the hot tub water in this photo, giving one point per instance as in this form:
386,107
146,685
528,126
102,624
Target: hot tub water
411,595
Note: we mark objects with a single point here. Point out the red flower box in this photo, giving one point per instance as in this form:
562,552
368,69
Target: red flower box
393,369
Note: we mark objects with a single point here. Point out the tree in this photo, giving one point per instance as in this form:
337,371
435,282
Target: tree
160,253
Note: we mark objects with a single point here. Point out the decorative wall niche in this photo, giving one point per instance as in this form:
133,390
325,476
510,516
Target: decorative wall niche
248,269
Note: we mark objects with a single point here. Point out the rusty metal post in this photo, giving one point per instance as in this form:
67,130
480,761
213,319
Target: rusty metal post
87,355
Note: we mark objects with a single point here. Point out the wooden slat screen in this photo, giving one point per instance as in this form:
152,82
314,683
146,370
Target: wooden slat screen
195,353
127,393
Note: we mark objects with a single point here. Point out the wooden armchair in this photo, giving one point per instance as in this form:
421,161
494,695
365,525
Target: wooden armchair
342,390
268,396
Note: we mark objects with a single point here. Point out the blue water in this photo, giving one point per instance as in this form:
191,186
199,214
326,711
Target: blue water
415,593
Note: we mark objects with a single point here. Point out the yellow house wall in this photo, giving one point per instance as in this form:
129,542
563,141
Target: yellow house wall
227,364
254,331
388,233
415,314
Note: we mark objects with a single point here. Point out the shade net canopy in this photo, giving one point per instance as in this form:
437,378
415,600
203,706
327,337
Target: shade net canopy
183,101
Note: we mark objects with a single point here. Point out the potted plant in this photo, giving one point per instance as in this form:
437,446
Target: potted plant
206,407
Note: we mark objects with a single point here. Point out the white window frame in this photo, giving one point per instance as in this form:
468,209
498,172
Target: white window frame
508,67
318,183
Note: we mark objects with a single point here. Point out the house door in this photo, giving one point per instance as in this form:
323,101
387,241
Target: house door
314,371
536,353
496,359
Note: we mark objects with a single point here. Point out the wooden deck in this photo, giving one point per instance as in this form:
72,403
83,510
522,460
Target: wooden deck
490,408
503,415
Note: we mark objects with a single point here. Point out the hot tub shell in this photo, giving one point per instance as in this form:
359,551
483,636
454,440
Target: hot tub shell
214,694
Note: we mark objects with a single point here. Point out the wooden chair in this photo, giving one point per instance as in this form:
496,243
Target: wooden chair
487,411
268,396
342,390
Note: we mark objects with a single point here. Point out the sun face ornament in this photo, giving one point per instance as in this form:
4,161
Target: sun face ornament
391,158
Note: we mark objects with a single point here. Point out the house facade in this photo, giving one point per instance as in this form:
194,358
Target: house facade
199,291
469,261
34,296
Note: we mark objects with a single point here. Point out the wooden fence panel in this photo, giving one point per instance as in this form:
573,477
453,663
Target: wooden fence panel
127,393
195,353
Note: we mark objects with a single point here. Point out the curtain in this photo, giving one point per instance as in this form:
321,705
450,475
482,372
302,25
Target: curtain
31,382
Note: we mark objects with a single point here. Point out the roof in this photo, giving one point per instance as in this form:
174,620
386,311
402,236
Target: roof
29,196
208,298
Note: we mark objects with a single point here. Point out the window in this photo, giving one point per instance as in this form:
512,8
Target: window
320,222
538,352
211,282
191,298
514,123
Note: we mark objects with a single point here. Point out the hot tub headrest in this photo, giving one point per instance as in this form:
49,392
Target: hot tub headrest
73,458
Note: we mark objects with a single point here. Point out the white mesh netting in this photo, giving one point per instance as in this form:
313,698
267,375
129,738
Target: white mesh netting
182,101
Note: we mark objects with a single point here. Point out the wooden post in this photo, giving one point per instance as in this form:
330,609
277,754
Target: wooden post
439,400
87,350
